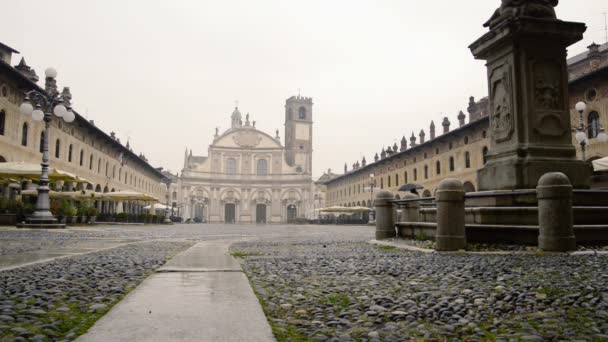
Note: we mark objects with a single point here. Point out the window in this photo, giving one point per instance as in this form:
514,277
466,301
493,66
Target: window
397,180
484,134
57,148
70,149
302,113
81,157
451,163
107,168
174,195
426,171
450,146
231,166
438,167
405,176
91,162
484,154
41,141
437,151
24,134
381,183
593,122
467,160
415,175
424,155
466,140
114,172
2,120
99,165
262,168
389,181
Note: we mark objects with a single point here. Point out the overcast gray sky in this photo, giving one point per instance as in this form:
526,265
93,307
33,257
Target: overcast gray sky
166,73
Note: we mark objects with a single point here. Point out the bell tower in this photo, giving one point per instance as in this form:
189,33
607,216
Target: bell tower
298,133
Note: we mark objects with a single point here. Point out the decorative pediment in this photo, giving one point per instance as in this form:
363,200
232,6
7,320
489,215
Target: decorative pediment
247,138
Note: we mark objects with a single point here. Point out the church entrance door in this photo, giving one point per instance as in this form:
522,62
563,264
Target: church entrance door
260,213
229,213
292,212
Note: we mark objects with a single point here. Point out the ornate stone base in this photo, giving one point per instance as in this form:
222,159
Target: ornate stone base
524,173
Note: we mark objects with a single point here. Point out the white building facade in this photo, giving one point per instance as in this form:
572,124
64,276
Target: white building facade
248,176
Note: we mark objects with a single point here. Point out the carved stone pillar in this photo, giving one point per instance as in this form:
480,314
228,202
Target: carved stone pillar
530,132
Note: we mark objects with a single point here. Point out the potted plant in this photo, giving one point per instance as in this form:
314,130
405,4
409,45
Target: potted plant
8,216
70,212
56,210
82,213
92,214
66,211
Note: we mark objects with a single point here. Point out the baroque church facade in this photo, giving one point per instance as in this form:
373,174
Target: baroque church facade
248,176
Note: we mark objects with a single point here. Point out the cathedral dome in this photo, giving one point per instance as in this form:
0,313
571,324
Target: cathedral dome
236,117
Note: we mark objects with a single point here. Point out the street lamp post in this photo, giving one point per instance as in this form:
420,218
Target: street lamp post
581,136
167,219
371,187
39,105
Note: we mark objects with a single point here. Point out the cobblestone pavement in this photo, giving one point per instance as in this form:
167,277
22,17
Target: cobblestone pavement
60,299
315,283
343,291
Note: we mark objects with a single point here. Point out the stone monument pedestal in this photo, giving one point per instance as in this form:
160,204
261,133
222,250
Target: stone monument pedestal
530,130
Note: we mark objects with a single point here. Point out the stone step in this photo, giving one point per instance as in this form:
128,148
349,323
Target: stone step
519,215
527,234
526,198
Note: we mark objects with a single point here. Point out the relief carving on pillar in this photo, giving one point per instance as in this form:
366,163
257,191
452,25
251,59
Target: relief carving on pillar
548,99
547,90
502,118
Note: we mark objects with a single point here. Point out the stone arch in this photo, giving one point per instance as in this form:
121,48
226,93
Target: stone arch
262,167
199,192
2,159
230,194
261,196
593,124
426,193
105,189
302,113
89,186
291,195
484,154
468,187
98,188
24,134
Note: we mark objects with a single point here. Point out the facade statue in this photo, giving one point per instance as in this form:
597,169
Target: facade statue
522,8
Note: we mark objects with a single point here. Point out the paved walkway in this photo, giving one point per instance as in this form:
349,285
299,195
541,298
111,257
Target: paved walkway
200,295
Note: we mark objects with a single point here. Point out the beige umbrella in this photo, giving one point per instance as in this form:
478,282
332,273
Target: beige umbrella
126,195
52,193
337,209
73,195
22,170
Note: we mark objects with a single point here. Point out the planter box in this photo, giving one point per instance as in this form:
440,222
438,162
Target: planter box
8,219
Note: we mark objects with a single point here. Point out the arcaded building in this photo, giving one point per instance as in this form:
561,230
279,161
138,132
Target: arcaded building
444,151
79,147
249,176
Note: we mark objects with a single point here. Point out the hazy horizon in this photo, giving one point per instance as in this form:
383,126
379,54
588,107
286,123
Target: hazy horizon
165,75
